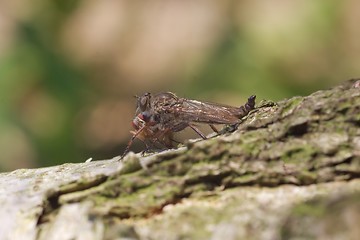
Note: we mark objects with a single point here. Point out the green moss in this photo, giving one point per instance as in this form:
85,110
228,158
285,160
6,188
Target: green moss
306,177
290,105
344,106
131,165
251,144
309,209
252,149
298,154
144,201
246,179
266,103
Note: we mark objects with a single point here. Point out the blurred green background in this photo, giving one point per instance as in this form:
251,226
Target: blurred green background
69,69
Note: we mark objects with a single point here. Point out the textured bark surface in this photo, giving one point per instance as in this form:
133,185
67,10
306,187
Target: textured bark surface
291,170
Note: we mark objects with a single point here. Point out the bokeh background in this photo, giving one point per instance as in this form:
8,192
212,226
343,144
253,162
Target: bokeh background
69,68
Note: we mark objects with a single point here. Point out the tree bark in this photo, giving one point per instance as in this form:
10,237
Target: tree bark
290,170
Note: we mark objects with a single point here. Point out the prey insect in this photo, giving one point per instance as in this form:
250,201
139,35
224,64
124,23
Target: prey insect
158,116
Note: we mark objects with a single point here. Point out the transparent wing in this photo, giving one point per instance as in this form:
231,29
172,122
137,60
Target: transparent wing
170,108
206,112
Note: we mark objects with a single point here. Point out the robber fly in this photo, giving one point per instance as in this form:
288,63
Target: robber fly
158,116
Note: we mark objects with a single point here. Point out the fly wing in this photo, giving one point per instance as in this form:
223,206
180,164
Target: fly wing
206,112
173,110
215,113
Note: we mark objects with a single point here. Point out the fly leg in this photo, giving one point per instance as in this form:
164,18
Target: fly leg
165,138
214,128
131,141
148,147
173,140
197,131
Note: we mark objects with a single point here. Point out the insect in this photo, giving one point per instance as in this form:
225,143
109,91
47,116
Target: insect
158,116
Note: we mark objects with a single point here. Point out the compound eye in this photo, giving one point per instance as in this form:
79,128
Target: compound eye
145,116
144,101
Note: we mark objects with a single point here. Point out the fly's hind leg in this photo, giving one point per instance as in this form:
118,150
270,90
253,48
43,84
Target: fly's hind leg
214,128
148,148
198,131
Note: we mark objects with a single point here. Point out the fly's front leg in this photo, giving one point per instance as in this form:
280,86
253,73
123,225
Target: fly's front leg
131,141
